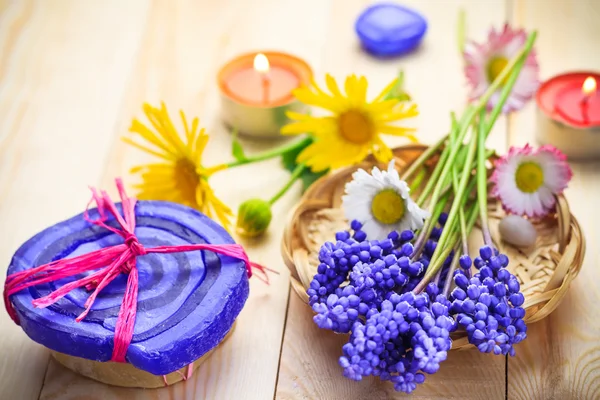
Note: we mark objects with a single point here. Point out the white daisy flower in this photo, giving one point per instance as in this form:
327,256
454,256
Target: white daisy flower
527,180
380,201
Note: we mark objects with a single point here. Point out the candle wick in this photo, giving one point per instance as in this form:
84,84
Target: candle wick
266,82
584,108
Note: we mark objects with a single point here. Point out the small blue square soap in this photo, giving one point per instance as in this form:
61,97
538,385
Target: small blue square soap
388,29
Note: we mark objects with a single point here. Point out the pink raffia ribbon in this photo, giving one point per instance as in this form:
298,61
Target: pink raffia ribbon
110,262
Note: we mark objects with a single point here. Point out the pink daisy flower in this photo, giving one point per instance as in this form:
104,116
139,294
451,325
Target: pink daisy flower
527,180
484,62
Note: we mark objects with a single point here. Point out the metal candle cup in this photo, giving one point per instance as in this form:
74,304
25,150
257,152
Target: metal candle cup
568,115
255,97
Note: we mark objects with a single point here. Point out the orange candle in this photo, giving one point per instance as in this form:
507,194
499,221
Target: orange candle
256,91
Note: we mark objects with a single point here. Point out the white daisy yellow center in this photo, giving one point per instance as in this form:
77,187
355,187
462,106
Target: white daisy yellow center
355,127
388,207
495,67
529,177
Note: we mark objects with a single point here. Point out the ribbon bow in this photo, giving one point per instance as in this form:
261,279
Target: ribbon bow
110,262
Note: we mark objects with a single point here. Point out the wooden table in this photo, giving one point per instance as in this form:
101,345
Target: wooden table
73,73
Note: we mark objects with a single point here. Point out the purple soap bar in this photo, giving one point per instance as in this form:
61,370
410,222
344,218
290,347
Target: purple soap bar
187,302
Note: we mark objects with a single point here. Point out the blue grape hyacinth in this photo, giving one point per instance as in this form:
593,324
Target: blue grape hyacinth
404,340
365,288
488,305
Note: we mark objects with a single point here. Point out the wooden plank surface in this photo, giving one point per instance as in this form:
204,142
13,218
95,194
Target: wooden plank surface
63,70
184,44
74,73
561,357
309,367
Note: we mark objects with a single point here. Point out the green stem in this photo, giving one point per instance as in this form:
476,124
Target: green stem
428,226
416,183
442,247
512,68
453,266
295,175
426,155
504,93
506,71
482,181
434,177
461,212
271,153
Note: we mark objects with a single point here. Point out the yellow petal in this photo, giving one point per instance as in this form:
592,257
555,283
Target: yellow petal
297,116
333,87
349,86
160,120
381,107
360,92
385,90
396,130
381,151
165,156
170,167
316,126
332,153
147,134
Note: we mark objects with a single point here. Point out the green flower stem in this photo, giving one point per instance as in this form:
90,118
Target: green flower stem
428,226
426,155
270,153
509,69
505,92
448,186
416,183
461,212
512,68
442,246
295,175
449,279
482,181
434,177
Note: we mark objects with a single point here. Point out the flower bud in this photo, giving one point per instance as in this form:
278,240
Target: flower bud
254,217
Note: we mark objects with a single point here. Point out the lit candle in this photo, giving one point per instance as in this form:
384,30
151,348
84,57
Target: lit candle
588,89
256,91
261,65
569,114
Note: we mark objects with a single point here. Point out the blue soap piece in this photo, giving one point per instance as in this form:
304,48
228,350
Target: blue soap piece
388,29
187,302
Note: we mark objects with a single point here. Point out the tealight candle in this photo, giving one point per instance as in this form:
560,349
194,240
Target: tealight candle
256,91
569,114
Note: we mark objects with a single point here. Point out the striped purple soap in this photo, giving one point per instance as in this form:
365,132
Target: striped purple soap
187,301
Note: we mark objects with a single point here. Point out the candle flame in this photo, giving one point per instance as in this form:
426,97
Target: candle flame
261,63
589,86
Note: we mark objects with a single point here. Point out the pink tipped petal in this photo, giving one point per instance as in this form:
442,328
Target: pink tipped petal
556,176
502,43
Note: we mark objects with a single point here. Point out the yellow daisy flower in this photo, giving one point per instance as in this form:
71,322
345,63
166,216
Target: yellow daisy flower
354,129
179,176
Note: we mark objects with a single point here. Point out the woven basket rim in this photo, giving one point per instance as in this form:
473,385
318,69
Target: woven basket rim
568,259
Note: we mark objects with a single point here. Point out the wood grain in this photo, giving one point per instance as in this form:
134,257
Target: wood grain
62,73
561,357
309,368
184,44
74,72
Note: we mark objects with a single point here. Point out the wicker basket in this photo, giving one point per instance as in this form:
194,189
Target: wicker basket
545,270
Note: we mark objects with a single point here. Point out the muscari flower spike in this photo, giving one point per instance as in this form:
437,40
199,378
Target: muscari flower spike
489,304
395,334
